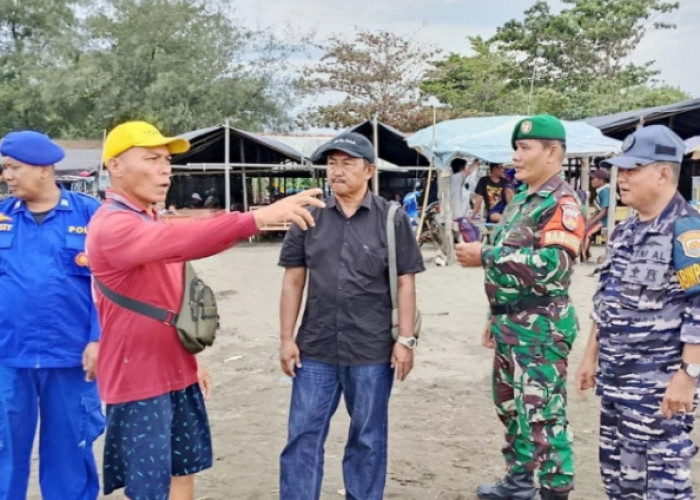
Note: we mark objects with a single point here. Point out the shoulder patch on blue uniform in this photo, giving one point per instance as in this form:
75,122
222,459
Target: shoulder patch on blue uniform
686,253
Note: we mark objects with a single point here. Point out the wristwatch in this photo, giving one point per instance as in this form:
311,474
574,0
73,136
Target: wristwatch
692,369
410,342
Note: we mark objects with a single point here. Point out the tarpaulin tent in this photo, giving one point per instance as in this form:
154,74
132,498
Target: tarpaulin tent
489,139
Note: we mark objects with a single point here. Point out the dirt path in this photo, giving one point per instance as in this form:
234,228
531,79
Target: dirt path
444,435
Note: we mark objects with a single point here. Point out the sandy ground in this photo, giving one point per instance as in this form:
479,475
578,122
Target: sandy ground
444,435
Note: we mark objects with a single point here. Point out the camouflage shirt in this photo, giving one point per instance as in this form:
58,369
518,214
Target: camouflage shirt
642,314
532,255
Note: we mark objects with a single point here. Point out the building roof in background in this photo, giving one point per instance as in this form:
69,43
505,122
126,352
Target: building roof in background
682,117
392,144
208,147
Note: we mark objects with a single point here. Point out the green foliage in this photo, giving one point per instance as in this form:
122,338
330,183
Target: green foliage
576,61
378,73
178,63
476,85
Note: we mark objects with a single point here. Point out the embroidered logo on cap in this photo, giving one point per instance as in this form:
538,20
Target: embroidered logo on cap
627,143
526,127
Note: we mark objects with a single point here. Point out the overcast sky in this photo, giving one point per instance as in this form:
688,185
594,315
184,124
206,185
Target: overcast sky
445,24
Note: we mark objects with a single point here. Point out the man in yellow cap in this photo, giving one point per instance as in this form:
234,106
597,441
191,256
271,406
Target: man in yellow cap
157,429
532,323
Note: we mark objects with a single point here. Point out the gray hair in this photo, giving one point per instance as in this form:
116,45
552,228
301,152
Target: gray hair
674,167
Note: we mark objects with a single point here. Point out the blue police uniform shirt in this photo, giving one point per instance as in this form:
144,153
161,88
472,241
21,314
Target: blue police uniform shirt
48,315
643,315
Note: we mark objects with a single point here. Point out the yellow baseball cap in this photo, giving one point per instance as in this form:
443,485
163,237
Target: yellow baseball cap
139,134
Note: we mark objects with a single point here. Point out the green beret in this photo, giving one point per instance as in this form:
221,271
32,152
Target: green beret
538,127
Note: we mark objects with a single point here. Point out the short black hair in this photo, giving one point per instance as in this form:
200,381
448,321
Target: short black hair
458,164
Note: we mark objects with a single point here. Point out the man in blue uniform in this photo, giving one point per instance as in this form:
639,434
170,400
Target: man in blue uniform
645,339
48,327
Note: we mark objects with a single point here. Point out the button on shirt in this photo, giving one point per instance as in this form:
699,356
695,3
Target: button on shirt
642,314
47,315
347,319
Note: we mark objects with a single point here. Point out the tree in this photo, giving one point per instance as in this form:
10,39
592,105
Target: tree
35,37
377,73
174,62
575,60
592,36
581,53
75,68
475,85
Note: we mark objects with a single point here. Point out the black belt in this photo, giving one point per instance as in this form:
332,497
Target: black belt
529,303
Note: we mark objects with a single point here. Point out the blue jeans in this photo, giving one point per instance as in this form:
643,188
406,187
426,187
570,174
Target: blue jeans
316,393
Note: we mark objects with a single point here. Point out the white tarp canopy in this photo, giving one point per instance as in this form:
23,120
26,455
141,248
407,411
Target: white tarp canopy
488,138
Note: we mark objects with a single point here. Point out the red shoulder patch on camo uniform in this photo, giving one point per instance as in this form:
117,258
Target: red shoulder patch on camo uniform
566,228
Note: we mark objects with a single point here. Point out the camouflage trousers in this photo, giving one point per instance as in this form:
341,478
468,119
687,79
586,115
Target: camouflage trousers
644,456
529,389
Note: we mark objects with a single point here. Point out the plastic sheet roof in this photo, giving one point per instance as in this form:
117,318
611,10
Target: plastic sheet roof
488,138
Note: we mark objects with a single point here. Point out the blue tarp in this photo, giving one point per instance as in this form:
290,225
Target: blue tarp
488,138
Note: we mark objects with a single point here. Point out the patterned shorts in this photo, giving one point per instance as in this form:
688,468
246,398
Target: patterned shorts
150,440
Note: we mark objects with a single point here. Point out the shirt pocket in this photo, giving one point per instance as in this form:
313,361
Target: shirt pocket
644,285
6,239
372,261
74,258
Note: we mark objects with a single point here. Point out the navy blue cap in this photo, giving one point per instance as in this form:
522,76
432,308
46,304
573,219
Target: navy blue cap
32,148
351,143
649,145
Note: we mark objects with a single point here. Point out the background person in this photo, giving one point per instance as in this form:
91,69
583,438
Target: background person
490,194
599,180
459,195
49,331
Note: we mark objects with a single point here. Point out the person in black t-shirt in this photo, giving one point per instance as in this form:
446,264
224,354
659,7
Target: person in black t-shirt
490,193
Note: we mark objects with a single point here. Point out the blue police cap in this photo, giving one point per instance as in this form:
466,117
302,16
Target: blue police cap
649,145
32,148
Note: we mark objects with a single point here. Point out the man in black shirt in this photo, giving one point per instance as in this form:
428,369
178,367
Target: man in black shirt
344,344
489,191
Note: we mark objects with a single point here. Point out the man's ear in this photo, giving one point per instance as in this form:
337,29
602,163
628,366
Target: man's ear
114,167
370,170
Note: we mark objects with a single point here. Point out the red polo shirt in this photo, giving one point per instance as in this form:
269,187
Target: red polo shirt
136,254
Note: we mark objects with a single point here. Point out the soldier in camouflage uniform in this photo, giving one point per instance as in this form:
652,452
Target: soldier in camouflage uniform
532,323
646,332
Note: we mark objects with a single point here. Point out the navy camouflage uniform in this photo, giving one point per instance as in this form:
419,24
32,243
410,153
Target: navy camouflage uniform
643,320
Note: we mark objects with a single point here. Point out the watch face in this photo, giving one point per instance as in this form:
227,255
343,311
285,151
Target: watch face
408,342
693,370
